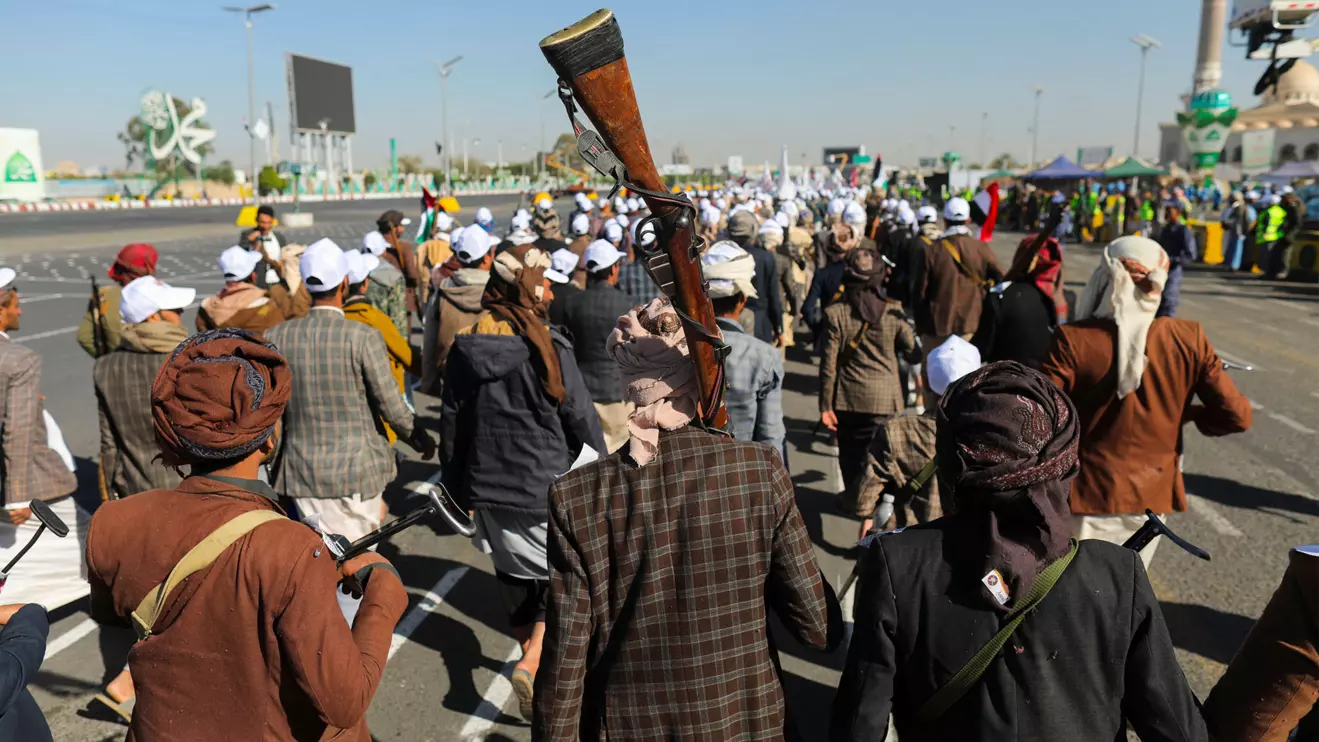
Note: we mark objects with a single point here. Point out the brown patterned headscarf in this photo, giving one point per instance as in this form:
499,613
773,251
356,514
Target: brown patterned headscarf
863,280
516,293
1007,450
218,397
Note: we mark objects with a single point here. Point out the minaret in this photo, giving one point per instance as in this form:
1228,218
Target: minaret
1209,57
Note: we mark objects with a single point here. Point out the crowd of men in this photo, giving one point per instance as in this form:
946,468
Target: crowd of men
986,421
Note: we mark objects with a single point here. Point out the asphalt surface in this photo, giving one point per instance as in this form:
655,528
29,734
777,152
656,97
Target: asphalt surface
1254,495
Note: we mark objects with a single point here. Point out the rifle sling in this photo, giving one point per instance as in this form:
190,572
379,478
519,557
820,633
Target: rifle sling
974,669
957,259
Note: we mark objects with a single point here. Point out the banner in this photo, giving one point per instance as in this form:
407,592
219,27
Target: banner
22,178
1088,156
1257,151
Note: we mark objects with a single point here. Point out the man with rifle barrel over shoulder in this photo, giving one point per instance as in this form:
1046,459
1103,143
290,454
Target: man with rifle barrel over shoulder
717,548
99,332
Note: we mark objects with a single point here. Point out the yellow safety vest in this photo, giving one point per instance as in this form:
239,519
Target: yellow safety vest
1270,225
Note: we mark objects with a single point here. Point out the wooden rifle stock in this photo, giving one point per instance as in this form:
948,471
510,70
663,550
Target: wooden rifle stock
588,57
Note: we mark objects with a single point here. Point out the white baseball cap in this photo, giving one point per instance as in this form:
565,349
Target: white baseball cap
622,220
520,220
238,263
147,295
544,204
613,231
472,245
7,276
323,266
374,243
951,361
601,254
581,224
360,265
483,216
927,215
562,264
957,210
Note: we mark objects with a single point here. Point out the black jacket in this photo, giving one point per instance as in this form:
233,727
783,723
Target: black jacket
22,647
590,316
561,293
503,440
1016,324
824,287
1095,652
768,304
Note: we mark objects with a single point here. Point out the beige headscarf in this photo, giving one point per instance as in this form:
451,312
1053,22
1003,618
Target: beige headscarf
1113,294
651,350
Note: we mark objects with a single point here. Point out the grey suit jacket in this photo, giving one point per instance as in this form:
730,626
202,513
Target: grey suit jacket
333,444
31,469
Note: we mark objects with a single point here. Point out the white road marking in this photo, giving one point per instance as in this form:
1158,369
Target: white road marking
44,335
1210,514
1314,394
1310,321
1289,304
69,638
1256,405
429,604
43,297
492,703
1298,427
1239,302
1237,359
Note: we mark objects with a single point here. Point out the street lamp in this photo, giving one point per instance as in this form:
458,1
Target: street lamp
248,12
1035,127
1145,43
444,70
984,128
541,158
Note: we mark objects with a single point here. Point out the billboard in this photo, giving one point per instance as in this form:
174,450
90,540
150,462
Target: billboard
22,178
1087,156
1256,151
840,156
735,166
320,92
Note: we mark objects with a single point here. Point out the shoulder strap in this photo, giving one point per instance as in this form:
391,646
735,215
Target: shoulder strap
849,350
957,258
923,477
198,558
970,674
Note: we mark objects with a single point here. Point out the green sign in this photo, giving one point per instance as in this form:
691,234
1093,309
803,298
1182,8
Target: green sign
19,170
861,160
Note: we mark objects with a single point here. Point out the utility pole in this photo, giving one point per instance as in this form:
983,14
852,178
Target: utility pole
248,12
1145,43
1035,128
984,128
444,70
540,170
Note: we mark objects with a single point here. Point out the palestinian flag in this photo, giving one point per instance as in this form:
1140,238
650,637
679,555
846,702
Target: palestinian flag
428,202
984,211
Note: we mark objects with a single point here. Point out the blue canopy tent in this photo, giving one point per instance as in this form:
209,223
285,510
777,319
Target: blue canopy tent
1292,171
1062,168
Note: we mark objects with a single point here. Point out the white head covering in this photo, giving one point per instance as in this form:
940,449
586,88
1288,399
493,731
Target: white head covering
951,361
710,216
443,222
729,270
783,220
771,234
583,202
613,232
622,220
906,216
522,236
581,224
957,210
1113,294
544,204
855,216
633,204
484,217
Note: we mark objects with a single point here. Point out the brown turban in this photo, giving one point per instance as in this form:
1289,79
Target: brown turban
1007,449
218,397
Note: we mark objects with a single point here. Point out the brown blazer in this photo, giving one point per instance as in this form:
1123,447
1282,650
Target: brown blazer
253,647
1273,681
866,380
1130,448
948,302
31,470
281,307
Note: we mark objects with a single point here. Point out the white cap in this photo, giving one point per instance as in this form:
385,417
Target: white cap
927,215
374,243
622,220
620,205
238,263
562,264
323,266
1287,189
613,232
633,204
443,222
957,210
7,276
544,203
854,215
951,361
483,216
147,295
783,220
520,220
360,265
1275,199
581,224
582,200
472,245
601,254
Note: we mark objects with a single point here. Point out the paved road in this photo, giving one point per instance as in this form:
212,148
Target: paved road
1253,496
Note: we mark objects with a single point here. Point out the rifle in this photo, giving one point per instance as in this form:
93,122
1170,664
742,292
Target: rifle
593,73
99,341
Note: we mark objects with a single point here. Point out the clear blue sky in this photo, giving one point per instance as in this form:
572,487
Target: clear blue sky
721,78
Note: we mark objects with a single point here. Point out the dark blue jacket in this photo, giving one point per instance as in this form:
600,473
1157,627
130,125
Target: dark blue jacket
590,317
22,647
824,287
768,305
1179,242
503,440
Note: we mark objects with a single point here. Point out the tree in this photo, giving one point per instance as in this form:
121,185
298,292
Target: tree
369,180
269,182
1004,161
409,164
222,173
974,166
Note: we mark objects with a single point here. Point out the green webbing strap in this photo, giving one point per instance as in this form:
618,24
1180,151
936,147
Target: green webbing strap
922,478
970,674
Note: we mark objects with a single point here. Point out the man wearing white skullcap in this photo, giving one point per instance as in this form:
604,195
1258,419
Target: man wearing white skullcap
904,448
754,368
1133,378
957,270
457,305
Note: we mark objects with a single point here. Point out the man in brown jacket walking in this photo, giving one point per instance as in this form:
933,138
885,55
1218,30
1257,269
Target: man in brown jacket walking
246,306
253,646
660,574
1134,378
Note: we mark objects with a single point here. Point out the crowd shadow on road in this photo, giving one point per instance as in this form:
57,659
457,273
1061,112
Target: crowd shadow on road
1213,634
1250,497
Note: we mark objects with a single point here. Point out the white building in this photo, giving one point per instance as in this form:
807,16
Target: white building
1292,112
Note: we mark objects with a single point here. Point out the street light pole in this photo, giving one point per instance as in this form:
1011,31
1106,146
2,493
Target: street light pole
444,70
540,170
984,127
1035,127
248,12
1145,43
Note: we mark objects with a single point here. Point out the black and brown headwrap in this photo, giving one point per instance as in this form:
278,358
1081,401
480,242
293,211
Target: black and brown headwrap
1007,450
218,397
516,293
863,280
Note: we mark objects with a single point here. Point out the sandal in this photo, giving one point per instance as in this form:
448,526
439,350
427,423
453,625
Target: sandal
524,688
124,709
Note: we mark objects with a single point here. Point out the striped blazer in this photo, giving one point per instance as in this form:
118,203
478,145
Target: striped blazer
32,470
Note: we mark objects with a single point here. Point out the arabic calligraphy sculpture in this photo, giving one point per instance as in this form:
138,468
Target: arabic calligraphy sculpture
167,134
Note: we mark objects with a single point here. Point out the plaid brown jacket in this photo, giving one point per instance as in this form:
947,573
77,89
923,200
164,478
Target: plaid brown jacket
901,449
334,444
32,470
659,581
868,381
129,451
